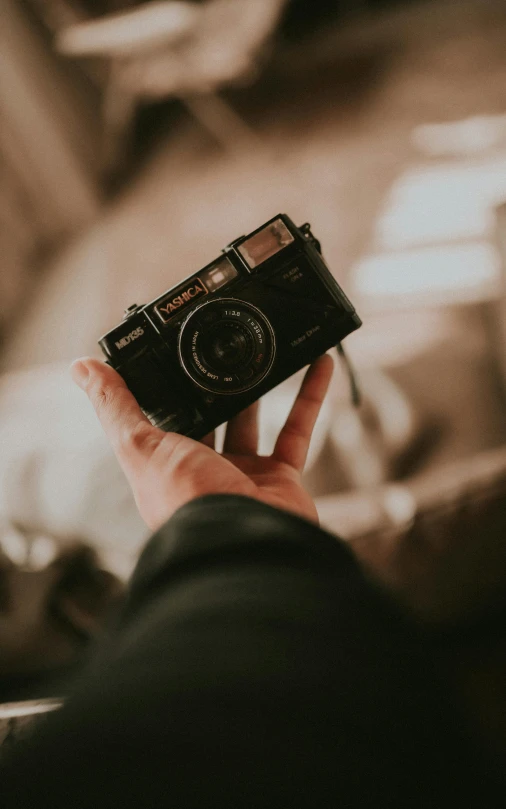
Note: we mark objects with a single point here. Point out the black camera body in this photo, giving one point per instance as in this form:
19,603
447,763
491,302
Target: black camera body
225,336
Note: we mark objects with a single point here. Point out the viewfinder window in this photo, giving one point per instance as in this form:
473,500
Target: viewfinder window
219,274
266,243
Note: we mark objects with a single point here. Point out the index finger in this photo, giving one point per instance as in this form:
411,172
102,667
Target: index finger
125,425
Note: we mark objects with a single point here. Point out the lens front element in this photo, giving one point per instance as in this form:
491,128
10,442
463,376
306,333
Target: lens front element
226,346
231,346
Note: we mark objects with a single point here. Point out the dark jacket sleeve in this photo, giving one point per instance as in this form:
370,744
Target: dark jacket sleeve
253,665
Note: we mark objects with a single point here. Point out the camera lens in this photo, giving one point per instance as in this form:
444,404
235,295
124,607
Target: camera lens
229,347
226,346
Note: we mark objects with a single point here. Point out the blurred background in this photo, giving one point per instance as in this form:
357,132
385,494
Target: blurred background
138,139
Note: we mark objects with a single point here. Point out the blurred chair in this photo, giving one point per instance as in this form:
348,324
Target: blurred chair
175,49
49,184
498,318
429,290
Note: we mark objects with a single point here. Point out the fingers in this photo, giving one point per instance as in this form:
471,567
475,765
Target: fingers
124,423
293,442
242,432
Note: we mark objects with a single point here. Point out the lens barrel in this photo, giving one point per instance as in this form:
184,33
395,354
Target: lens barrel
226,346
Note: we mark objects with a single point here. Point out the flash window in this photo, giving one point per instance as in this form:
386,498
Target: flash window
266,243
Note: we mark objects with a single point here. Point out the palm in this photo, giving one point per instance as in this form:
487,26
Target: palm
277,483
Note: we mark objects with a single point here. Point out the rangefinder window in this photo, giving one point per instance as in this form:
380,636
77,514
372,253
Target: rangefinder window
219,274
266,243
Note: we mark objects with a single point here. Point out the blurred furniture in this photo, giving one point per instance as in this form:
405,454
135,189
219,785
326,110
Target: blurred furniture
437,543
436,539
498,314
48,188
174,49
430,288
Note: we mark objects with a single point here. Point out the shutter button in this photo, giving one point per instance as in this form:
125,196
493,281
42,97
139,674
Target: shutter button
131,310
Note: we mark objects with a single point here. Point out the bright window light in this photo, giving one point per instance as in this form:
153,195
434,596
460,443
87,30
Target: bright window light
466,138
443,203
462,273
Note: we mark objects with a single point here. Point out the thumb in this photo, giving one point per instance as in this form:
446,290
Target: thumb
125,425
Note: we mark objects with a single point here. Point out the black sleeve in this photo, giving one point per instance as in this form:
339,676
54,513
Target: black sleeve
253,665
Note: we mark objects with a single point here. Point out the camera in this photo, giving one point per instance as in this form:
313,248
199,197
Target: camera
219,340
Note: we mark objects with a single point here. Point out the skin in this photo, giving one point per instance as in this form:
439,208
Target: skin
167,470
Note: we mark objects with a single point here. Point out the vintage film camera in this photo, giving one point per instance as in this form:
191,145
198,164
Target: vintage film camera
218,341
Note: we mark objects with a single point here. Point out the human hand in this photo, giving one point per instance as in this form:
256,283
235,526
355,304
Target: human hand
167,470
